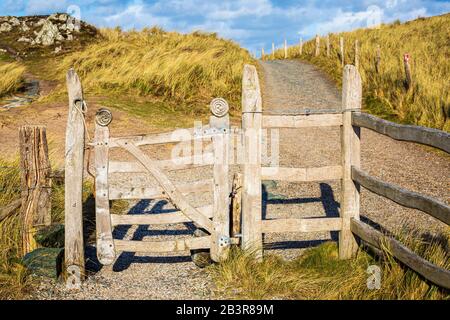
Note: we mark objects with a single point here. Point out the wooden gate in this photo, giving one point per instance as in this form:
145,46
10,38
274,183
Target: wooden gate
253,121
214,218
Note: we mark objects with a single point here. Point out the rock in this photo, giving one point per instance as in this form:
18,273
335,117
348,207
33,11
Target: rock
14,21
63,17
69,37
24,27
51,236
44,262
5,27
58,49
48,34
40,22
24,39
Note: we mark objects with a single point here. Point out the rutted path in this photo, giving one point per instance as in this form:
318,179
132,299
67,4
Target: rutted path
287,85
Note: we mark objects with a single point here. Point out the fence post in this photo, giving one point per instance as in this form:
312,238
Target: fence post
378,59
262,54
73,201
220,123
273,50
341,47
301,46
317,46
408,77
357,54
285,49
105,244
252,190
35,175
350,149
328,46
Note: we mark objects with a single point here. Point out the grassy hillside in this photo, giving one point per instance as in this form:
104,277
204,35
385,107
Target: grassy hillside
12,75
428,43
183,71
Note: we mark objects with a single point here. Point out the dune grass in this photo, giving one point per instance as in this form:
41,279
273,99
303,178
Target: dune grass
185,71
12,77
319,274
425,39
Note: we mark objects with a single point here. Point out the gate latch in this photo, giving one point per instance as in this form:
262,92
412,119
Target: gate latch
224,241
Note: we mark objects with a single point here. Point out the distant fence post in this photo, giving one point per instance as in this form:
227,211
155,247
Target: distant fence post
262,54
378,59
273,50
357,54
285,49
350,149
300,49
252,190
317,46
35,175
73,202
408,76
220,121
341,48
328,45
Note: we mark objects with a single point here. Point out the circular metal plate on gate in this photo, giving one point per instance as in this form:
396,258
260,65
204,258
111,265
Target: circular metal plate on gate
219,107
103,117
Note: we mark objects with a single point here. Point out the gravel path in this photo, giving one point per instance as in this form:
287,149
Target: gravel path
288,85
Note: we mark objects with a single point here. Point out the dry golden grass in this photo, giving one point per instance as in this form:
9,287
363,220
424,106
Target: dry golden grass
319,274
12,77
426,40
186,70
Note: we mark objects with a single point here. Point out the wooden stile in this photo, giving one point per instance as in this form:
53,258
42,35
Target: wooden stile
252,189
105,245
35,174
350,146
73,202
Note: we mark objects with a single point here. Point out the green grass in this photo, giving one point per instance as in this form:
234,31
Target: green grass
426,40
319,274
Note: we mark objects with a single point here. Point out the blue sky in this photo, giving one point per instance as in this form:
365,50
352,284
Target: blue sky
252,23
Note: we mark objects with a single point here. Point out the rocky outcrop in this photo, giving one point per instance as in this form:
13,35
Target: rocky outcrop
58,32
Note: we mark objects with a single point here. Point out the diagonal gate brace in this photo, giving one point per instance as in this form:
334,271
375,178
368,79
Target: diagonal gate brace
175,196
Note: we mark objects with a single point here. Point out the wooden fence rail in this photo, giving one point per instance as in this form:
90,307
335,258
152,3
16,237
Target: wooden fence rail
427,136
433,207
423,267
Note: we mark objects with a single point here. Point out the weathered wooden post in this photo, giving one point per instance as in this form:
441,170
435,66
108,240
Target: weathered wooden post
408,76
262,54
220,123
317,46
378,59
273,50
285,49
252,190
73,202
341,48
350,149
105,244
236,205
300,49
328,46
35,175
357,54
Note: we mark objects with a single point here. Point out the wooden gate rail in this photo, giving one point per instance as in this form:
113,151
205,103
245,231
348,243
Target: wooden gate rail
163,246
427,136
301,121
433,273
302,174
132,192
406,198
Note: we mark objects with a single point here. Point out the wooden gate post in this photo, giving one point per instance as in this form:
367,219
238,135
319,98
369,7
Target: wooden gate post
73,201
350,149
35,175
105,245
252,190
317,46
220,124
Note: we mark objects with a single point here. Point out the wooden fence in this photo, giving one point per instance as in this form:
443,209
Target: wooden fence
350,228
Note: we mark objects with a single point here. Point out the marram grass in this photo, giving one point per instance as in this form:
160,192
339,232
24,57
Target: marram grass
11,77
427,40
186,69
